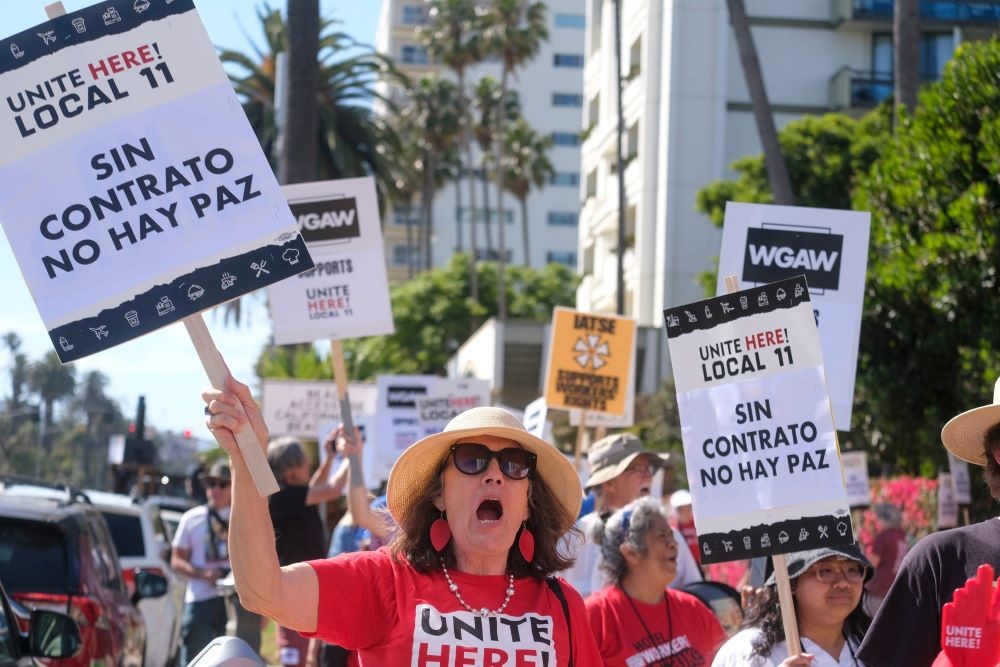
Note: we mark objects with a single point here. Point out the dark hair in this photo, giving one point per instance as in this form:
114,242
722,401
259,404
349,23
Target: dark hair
991,473
764,614
548,522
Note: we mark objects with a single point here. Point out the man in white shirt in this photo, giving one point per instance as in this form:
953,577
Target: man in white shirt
201,553
620,471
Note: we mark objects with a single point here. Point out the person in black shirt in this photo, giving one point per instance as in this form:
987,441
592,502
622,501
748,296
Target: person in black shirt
907,627
298,529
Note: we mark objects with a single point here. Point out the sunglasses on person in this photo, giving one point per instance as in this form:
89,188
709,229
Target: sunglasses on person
473,458
216,484
854,573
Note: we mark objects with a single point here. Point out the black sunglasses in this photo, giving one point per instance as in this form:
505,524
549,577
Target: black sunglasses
472,459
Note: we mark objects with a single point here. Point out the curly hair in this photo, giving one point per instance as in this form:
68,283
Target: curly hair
548,522
628,525
764,614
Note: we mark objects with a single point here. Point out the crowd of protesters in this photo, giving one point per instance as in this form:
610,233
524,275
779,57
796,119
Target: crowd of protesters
481,528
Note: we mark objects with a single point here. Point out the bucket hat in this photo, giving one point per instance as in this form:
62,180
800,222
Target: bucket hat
610,456
965,434
414,469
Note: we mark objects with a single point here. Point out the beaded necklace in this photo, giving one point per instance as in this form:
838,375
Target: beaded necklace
453,587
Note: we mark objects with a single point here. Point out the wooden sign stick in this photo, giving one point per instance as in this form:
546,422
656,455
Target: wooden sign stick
340,377
218,374
788,619
580,433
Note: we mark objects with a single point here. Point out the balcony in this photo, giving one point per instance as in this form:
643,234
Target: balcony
877,12
857,90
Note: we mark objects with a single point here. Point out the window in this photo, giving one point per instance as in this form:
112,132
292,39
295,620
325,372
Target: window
566,138
412,54
634,59
414,15
594,111
126,533
399,253
574,60
567,100
400,216
492,254
563,218
592,183
935,50
571,21
463,215
33,558
567,178
561,257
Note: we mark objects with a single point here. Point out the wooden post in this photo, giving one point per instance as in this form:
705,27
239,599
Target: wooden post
580,433
340,377
54,10
788,619
218,374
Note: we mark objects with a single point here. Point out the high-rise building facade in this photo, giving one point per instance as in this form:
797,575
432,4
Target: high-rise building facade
688,117
551,96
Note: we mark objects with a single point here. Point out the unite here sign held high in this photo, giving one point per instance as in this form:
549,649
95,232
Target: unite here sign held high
133,190
759,442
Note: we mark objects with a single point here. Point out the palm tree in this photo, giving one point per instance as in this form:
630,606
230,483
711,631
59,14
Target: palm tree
52,382
777,171
18,370
514,31
432,117
526,165
101,413
350,140
297,158
453,38
487,101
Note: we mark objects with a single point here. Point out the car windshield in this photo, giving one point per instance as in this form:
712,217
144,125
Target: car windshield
33,557
126,532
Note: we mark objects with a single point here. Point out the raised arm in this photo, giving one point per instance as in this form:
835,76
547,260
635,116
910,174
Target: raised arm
289,595
357,493
321,487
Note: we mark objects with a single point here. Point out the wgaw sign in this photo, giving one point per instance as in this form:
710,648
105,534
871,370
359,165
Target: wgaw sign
764,244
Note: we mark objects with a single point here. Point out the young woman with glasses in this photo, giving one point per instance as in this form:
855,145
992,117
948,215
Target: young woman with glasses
827,587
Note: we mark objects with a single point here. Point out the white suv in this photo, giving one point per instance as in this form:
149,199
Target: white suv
140,548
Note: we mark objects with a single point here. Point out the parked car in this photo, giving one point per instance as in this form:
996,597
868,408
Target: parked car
56,554
49,635
141,550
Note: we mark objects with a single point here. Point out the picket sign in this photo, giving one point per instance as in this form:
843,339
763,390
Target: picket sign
218,375
340,377
581,432
788,619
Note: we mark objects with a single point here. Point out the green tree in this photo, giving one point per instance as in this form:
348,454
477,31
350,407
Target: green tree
52,382
513,31
931,327
487,102
434,314
350,140
526,166
453,37
18,370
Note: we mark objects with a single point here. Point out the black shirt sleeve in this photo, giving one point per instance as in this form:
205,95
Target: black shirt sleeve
289,501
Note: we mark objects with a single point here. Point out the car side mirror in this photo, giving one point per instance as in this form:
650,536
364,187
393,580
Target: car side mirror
52,635
148,585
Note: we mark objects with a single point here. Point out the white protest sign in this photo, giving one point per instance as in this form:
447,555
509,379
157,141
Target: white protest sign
759,443
947,511
960,479
536,419
347,294
299,407
859,493
763,244
133,190
398,422
436,411
369,462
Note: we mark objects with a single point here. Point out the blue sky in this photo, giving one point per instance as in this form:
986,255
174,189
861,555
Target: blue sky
161,366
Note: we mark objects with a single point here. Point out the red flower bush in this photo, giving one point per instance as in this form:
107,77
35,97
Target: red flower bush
916,499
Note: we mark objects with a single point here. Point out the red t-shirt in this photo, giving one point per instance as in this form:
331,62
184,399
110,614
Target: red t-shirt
393,615
890,546
691,637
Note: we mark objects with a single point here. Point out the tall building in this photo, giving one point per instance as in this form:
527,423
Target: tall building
688,117
551,95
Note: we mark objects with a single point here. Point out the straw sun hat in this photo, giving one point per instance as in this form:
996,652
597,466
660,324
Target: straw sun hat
421,461
965,435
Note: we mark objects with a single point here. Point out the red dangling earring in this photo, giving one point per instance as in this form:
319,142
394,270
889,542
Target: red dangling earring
440,533
526,543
